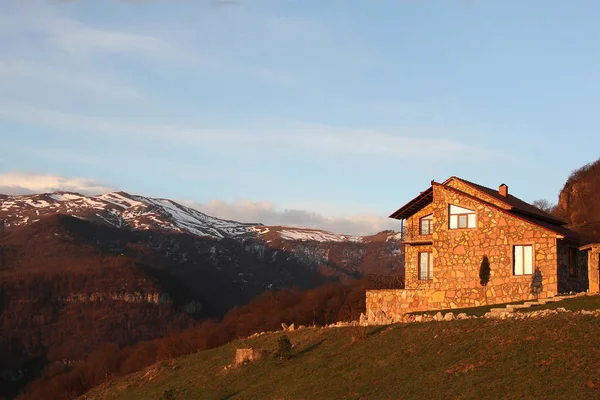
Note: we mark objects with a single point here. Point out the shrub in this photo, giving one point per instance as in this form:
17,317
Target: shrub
284,347
484,274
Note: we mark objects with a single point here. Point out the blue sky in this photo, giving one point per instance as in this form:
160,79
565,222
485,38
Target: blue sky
321,113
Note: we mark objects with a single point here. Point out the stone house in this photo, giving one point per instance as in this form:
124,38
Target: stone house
451,226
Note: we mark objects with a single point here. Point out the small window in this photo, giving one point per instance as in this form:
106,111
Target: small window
425,266
426,225
522,260
573,261
462,218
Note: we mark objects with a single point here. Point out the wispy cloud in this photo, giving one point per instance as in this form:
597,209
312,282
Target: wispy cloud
321,138
25,73
50,28
269,214
27,183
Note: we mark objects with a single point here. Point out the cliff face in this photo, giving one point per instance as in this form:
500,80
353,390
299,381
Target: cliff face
579,201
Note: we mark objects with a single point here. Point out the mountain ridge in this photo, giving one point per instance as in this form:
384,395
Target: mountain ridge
121,209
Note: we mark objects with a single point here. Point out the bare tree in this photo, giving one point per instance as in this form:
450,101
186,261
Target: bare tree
544,205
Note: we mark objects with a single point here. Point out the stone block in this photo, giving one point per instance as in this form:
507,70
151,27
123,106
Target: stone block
243,356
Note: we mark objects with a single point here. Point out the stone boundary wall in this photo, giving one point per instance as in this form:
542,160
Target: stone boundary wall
395,303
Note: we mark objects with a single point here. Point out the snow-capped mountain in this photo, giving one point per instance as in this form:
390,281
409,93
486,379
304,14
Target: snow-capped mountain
251,254
123,210
120,210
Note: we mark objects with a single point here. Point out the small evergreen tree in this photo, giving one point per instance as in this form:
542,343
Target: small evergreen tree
284,347
484,275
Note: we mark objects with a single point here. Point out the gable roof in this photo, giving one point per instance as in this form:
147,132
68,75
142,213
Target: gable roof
516,204
515,207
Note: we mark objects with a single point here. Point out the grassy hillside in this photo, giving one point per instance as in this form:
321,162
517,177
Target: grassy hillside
549,358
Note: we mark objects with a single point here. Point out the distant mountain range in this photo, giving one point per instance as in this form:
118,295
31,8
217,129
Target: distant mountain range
126,211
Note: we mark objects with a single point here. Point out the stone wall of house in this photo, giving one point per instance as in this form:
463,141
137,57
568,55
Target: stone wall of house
463,187
566,281
457,256
591,258
412,224
411,255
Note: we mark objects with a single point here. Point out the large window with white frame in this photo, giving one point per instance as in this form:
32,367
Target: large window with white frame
461,218
425,265
522,260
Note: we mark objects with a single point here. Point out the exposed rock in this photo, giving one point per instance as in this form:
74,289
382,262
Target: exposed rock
438,317
284,326
363,319
449,316
243,356
462,316
418,318
292,327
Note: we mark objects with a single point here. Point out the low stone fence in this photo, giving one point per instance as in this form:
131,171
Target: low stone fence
392,304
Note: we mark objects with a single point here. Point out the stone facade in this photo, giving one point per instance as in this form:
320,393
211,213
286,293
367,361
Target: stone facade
591,260
457,256
572,279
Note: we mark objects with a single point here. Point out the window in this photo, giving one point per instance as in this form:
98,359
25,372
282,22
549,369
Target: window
523,260
573,261
461,218
426,225
425,265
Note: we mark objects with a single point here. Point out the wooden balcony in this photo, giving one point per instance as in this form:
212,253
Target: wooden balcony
414,236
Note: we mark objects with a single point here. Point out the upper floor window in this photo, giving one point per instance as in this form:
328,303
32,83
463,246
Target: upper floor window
462,218
426,225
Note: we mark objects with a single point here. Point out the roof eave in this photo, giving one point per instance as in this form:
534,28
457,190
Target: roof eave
416,204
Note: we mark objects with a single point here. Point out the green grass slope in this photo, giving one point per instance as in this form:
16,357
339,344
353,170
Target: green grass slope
548,358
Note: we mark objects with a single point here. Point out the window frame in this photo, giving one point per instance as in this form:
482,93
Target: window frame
514,259
466,216
429,271
463,215
429,219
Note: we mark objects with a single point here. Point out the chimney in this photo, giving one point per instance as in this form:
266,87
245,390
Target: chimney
503,190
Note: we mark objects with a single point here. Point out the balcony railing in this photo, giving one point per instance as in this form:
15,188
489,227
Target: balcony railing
379,282
415,235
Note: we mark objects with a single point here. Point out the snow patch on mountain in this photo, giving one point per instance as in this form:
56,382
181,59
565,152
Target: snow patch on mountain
66,196
120,200
314,235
